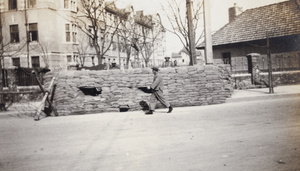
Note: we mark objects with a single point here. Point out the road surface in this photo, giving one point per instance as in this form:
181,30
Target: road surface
261,135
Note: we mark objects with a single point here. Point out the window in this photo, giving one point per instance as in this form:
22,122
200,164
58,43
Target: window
73,5
68,33
69,58
93,60
71,33
66,4
114,46
74,32
70,4
226,58
16,62
14,34
31,3
91,39
12,4
75,58
35,61
33,32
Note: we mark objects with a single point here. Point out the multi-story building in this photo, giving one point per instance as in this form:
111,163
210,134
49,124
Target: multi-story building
43,34
150,38
51,39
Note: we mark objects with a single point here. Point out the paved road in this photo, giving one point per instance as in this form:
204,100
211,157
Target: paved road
262,135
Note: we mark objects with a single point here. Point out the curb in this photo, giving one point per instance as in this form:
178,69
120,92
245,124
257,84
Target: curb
16,114
263,97
13,114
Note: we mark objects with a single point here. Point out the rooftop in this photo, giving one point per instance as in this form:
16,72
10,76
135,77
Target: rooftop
280,19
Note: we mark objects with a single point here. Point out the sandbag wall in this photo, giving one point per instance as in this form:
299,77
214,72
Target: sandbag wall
184,86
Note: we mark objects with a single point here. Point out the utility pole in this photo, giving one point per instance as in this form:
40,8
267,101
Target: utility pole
1,57
191,33
271,89
207,29
27,34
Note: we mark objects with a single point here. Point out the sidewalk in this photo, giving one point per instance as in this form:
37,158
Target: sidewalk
263,93
237,96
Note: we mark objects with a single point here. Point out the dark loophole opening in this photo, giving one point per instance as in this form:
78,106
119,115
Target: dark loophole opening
89,90
123,108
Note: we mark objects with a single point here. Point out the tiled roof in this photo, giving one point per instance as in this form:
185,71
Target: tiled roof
281,19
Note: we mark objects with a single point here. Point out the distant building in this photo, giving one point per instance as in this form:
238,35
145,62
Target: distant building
247,33
183,59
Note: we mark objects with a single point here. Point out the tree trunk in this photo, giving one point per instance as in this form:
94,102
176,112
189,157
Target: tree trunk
127,59
99,56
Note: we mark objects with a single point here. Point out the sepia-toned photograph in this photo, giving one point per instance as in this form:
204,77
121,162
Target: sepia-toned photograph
149,85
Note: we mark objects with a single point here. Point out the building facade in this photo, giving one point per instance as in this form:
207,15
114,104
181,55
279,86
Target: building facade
43,34
251,31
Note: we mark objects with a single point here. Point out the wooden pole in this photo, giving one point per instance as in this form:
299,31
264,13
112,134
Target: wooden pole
45,98
207,29
271,90
191,33
27,34
38,113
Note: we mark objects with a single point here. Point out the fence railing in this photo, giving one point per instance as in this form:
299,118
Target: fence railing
20,77
279,63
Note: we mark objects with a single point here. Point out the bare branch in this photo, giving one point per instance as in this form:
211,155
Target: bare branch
178,21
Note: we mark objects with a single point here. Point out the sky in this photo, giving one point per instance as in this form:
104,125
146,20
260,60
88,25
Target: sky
219,14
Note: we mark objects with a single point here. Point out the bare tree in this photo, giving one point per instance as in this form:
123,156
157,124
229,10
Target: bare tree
83,48
147,34
98,24
44,49
126,33
179,22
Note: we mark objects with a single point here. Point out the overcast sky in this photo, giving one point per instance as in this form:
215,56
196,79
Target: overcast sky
219,14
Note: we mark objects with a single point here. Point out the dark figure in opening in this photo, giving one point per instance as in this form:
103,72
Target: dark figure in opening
257,78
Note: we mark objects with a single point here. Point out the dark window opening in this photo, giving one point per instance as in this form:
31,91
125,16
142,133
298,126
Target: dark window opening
33,32
12,4
35,60
226,58
16,62
14,34
69,58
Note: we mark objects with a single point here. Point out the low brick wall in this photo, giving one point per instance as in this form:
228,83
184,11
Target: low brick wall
243,81
184,86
